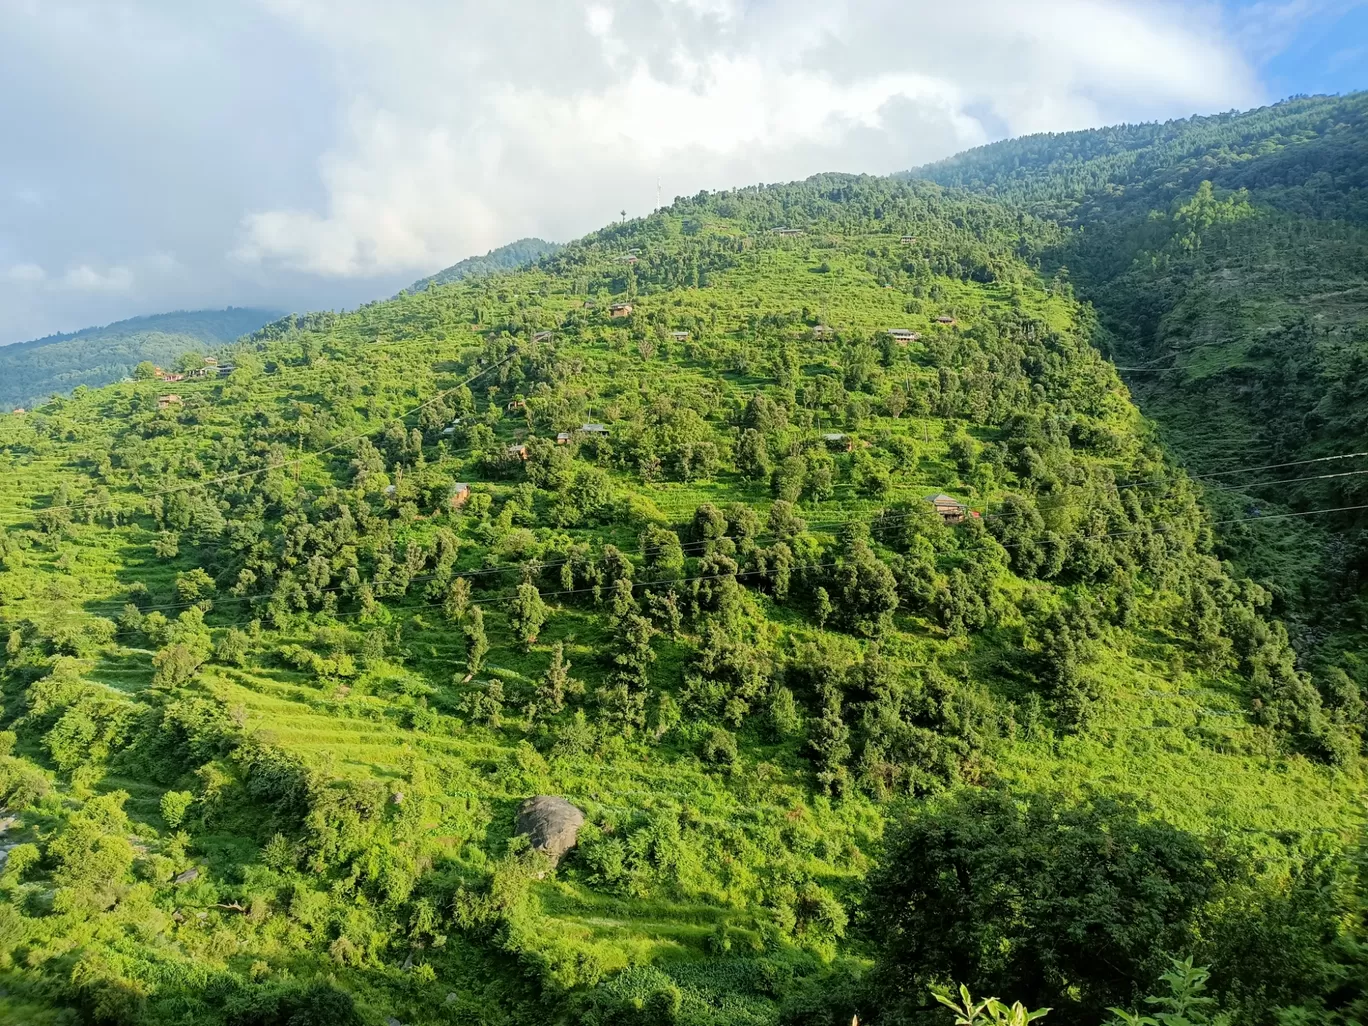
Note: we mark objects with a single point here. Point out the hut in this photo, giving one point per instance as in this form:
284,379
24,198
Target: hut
163,401
787,232
620,310
563,437
821,331
551,824
840,442
902,336
516,404
516,452
946,319
680,336
952,511
19,411
601,430
460,495
908,239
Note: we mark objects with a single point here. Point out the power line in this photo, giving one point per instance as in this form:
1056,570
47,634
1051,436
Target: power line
1279,466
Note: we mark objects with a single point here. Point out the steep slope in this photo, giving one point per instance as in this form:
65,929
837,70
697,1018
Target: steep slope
1228,258
30,372
505,258
277,681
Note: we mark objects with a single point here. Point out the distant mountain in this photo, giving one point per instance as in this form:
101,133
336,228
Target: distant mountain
505,258
32,371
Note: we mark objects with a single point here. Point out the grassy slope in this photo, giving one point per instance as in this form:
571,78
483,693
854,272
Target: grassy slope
1179,738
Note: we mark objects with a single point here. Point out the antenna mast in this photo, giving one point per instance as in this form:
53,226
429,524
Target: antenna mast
658,203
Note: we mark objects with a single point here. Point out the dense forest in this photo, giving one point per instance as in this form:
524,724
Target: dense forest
505,258
1227,257
801,537
31,372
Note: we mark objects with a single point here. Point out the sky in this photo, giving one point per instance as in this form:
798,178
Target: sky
310,154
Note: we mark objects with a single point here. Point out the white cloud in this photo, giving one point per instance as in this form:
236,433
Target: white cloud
84,278
465,125
25,274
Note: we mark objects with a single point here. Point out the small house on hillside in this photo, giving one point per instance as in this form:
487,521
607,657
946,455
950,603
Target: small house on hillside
946,319
787,231
600,430
541,336
517,404
211,361
620,310
163,401
903,335
224,369
563,438
821,331
838,441
516,452
460,495
952,511
172,376
908,239
630,258
680,336
19,411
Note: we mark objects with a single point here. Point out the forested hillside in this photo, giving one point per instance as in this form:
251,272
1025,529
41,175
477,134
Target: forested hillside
505,258
647,527
31,372
1228,259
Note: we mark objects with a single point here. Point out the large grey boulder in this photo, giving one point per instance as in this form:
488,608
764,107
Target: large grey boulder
551,824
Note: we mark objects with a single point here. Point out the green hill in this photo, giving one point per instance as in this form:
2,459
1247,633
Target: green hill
505,258
274,686
1228,259
30,372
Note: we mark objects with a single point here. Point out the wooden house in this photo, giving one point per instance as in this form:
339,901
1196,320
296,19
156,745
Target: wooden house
838,441
946,319
903,336
620,310
563,438
952,511
516,452
460,495
680,336
163,401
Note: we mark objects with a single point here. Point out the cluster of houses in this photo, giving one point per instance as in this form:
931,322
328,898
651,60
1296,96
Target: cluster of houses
211,368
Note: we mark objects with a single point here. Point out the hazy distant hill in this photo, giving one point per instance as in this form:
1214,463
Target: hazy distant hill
32,371
505,258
